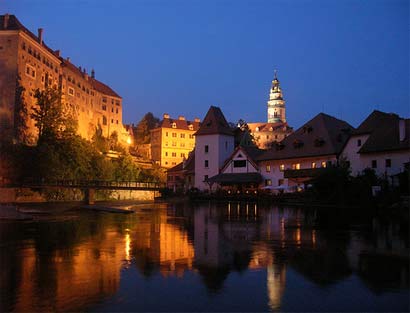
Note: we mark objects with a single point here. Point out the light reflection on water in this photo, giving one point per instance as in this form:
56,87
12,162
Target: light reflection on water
219,257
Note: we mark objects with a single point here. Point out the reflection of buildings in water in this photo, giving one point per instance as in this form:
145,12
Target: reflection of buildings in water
381,257
263,257
158,243
69,279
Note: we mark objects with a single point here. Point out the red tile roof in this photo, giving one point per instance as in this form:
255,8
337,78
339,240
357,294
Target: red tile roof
214,123
383,129
322,135
180,124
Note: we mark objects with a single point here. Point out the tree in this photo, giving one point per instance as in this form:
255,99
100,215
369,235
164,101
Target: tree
52,119
148,122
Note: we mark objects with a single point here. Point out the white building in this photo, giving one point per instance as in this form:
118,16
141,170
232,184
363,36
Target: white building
301,155
214,143
381,142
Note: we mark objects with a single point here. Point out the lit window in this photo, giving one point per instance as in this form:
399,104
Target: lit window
268,168
313,164
296,166
323,164
268,182
282,167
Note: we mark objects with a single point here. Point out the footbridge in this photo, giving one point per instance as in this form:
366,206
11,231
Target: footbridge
90,186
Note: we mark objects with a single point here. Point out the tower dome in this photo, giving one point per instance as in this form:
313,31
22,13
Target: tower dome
276,104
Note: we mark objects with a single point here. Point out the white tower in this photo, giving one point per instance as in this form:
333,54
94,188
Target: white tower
214,143
276,104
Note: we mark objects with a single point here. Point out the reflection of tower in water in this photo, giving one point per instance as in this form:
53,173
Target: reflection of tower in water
276,282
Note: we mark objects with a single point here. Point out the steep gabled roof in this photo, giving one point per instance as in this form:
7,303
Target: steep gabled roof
322,135
383,131
214,123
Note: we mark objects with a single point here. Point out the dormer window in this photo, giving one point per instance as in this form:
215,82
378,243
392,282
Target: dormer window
271,129
174,125
191,127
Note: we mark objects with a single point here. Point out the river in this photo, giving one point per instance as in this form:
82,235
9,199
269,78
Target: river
231,256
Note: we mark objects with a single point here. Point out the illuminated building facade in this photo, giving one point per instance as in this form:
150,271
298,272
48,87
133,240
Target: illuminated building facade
172,140
27,64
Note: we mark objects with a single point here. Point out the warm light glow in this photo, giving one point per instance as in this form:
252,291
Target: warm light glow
129,140
127,247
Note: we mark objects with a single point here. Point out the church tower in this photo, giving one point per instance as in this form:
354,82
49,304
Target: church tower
276,104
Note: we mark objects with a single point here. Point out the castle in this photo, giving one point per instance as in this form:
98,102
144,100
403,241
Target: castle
27,64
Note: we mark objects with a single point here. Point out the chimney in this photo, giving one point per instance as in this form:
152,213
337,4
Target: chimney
92,73
402,129
166,115
68,59
197,120
6,21
58,53
80,68
181,118
40,36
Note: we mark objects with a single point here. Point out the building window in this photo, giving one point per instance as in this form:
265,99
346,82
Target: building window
191,127
359,142
296,166
104,99
282,167
281,182
174,154
313,164
388,162
104,120
174,135
166,134
374,163
239,163
112,121
206,163
206,148
174,125
174,144
30,71
206,178
267,167
191,136
226,145
71,91
268,182
182,135
182,144
166,153
182,155
323,164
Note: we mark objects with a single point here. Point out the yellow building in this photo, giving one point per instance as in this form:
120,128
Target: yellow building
172,140
27,64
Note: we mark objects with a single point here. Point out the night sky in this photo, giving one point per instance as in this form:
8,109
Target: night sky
344,58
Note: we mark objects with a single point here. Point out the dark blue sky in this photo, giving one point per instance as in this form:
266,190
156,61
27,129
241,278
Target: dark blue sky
345,58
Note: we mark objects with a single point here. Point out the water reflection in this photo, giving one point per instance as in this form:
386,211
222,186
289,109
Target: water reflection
83,261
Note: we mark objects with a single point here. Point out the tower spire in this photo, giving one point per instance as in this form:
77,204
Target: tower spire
276,104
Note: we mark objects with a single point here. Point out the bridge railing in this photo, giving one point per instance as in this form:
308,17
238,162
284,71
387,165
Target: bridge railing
94,183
